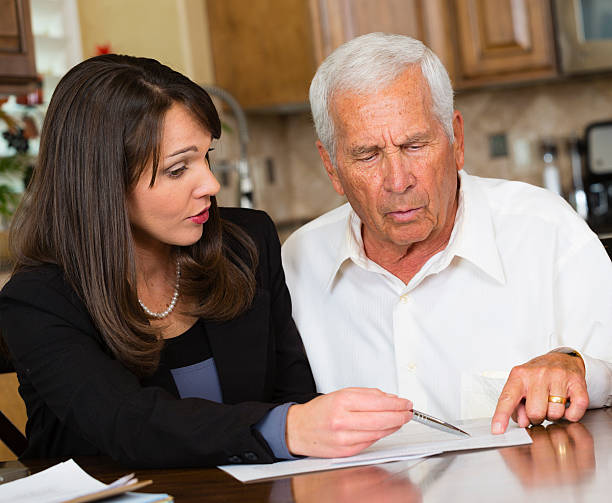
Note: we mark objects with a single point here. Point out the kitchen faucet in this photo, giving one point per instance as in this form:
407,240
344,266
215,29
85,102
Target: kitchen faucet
245,181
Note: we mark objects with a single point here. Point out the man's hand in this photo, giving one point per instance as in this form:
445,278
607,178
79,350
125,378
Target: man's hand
344,422
525,394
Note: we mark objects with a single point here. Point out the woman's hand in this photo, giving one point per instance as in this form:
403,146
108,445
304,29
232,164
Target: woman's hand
344,422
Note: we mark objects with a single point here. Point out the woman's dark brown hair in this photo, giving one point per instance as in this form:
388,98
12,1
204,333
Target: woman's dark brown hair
103,125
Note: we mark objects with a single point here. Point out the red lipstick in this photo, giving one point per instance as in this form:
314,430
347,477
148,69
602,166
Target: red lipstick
200,218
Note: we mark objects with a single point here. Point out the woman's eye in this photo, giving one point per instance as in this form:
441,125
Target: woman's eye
176,172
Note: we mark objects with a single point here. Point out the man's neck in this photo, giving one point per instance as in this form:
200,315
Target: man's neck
405,262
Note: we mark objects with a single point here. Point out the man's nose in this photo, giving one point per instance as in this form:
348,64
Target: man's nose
206,184
397,172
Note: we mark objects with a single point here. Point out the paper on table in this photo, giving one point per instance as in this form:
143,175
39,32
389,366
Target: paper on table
414,437
413,441
62,482
251,473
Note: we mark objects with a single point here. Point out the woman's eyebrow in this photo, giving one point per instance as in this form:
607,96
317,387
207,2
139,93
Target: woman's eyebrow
192,148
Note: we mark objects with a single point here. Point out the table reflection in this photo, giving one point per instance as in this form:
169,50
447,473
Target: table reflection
355,485
561,454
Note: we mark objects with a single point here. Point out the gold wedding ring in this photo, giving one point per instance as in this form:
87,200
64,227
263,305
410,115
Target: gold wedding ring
557,399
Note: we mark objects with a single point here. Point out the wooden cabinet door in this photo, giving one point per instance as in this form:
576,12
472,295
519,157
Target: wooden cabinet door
337,21
503,40
17,65
266,51
262,50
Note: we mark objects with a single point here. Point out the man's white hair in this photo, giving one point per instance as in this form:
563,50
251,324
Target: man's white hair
370,62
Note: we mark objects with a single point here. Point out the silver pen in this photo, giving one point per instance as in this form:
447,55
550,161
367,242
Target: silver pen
434,422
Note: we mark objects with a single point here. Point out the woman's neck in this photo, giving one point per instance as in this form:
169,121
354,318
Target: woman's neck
154,264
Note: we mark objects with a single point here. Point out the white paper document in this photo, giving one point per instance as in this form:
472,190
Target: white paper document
66,481
413,441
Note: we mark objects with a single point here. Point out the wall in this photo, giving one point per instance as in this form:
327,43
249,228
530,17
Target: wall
174,32
555,110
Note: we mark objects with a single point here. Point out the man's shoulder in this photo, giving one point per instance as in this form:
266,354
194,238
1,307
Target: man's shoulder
512,197
321,230
316,243
538,215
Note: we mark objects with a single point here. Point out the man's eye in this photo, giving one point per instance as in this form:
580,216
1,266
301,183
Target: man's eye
369,157
414,147
176,172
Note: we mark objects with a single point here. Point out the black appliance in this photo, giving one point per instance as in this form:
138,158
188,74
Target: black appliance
598,176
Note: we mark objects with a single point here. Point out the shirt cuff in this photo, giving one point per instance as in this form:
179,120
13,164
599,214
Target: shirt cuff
272,427
598,377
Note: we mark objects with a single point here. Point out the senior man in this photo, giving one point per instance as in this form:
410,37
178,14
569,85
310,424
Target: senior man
432,283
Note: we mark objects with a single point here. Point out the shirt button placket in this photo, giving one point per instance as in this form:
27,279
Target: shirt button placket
406,347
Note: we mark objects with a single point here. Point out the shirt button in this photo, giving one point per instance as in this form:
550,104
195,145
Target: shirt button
234,459
411,367
250,456
404,299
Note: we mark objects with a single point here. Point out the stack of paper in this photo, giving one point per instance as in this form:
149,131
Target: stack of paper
67,483
412,442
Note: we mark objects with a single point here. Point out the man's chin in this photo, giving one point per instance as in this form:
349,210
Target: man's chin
409,233
407,241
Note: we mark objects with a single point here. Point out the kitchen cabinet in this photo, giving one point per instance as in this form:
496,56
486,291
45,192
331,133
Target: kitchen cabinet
263,50
337,21
266,52
17,64
502,41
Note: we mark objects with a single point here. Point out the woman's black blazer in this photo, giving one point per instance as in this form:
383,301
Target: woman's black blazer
82,401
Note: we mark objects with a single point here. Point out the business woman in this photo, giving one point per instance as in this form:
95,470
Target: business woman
144,322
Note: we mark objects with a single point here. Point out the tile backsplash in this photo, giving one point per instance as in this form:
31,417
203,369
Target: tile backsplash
291,184
528,115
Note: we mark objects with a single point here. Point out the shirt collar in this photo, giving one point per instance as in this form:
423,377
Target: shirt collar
350,246
472,238
475,237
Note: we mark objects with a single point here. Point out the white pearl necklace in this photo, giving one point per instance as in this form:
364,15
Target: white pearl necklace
172,304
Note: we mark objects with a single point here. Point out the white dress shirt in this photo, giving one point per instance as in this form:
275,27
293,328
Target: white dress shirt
521,275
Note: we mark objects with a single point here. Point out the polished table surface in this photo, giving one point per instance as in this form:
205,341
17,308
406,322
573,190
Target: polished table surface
566,463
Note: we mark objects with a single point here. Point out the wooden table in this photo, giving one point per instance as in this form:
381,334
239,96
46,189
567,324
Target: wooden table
566,463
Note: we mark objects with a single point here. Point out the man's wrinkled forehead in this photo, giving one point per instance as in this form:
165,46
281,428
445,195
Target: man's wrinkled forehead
349,105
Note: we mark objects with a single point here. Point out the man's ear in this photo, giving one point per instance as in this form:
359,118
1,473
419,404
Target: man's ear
329,167
458,142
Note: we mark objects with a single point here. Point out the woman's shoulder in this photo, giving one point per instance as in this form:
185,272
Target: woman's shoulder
256,223
259,226
249,219
39,274
40,291
42,284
